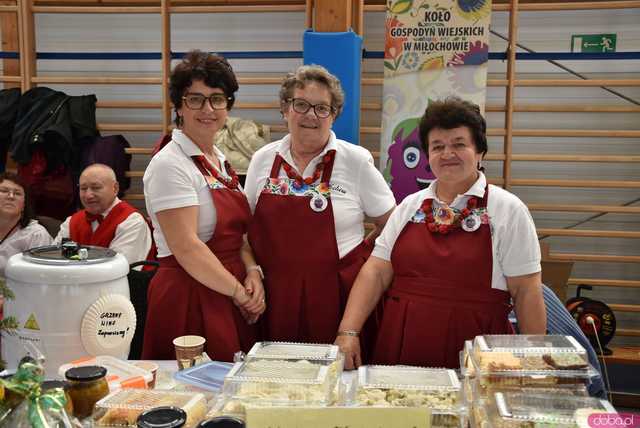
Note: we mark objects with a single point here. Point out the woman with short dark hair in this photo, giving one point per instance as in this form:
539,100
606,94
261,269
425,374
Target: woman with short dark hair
206,284
451,257
19,231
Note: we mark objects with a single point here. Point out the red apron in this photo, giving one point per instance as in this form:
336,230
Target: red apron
179,305
306,283
441,295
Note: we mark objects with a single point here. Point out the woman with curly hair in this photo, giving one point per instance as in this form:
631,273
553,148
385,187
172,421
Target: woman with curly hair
206,284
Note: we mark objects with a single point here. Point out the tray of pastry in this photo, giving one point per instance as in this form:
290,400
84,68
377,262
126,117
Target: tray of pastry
122,408
478,390
509,355
523,409
282,382
408,386
287,350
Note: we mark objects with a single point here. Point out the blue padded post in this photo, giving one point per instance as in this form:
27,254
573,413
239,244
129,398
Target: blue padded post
341,54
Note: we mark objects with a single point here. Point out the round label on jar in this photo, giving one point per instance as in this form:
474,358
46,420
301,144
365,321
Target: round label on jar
108,326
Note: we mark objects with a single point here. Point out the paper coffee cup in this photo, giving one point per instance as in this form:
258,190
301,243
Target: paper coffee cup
188,348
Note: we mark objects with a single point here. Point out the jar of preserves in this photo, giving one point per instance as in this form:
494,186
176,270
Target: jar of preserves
222,422
162,417
52,384
87,385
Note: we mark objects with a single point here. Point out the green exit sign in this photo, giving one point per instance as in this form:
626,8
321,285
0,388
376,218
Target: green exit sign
593,43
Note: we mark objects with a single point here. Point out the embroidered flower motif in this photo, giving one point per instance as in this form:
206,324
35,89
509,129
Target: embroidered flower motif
298,188
283,187
484,218
445,215
419,216
322,188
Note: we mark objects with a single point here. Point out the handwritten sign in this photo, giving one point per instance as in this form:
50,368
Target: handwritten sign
108,325
338,417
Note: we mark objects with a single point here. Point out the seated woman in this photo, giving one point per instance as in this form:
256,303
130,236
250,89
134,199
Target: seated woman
451,257
19,231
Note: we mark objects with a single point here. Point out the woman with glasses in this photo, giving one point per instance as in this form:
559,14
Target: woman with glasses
19,231
207,283
310,193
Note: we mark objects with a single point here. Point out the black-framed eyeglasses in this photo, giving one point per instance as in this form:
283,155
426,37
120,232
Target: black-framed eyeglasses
195,101
302,106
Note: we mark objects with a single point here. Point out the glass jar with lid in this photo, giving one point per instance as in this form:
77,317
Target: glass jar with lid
222,422
87,385
162,417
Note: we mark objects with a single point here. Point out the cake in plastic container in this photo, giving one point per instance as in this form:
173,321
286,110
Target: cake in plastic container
300,351
405,386
122,408
475,390
526,410
530,360
291,382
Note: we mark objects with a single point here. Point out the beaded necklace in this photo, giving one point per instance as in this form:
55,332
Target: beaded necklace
292,174
231,182
435,227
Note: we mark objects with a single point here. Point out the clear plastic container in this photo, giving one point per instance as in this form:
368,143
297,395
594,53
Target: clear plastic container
529,360
494,353
475,390
120,374
405,386
122,408
466,366
282,382
513,410
288,350
209,376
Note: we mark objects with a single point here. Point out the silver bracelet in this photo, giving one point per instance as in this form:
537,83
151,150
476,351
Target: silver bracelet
352,333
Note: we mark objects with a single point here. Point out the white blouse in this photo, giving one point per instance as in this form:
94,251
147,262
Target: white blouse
22,239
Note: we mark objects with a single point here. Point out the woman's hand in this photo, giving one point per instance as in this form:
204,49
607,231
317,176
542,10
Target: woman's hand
350,346
255,289
244,301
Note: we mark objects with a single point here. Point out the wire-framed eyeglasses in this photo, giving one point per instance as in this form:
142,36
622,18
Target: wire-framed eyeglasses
302,106
195,101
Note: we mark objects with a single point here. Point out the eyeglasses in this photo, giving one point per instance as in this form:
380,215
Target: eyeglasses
4,191
302,106
196,101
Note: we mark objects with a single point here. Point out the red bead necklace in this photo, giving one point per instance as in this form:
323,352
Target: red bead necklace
427,209
231,182
292,174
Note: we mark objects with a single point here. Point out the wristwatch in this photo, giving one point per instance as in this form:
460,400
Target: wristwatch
258,268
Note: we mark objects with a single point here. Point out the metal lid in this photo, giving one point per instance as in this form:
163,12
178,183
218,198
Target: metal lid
85,373
69,253
162,417
222,422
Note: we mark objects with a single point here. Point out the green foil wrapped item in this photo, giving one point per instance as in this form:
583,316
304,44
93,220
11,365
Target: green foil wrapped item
34,408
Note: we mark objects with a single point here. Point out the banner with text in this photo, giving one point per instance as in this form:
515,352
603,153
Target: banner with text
433,49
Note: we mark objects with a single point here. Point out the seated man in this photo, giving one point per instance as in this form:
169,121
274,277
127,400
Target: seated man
106,221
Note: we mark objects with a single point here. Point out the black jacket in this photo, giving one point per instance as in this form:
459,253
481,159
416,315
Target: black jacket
56,123
9,99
